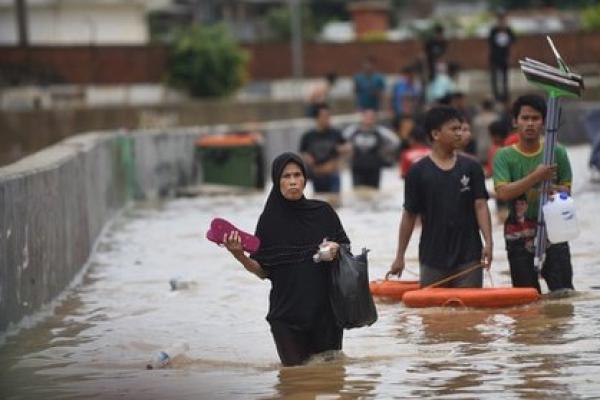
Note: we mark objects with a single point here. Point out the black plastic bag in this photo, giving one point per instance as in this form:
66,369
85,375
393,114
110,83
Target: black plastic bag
351,300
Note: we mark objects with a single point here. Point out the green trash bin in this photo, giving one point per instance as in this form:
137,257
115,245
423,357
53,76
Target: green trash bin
232,159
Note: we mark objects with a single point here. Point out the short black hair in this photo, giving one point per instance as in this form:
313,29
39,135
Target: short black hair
408,69
331,77
319,107
532,100
446,100
487,104
438,116
418,135
453,68
499,128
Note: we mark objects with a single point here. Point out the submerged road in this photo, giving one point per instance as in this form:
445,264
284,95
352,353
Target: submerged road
96,342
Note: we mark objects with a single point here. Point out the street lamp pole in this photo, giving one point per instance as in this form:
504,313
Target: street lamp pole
296,28
22,29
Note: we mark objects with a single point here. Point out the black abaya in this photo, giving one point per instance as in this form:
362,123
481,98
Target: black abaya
290,233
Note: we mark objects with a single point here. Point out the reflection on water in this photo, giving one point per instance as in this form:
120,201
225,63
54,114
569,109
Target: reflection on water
310,380
481,352
98,340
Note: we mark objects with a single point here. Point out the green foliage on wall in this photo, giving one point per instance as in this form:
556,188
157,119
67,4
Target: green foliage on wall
206,61
590,18
373,37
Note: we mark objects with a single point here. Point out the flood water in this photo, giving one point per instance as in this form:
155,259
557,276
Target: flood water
97,341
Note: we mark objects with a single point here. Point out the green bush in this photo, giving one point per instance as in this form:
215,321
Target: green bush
373,37
206,62
590,18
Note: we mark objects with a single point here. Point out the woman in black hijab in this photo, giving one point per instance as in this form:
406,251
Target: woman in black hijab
291,229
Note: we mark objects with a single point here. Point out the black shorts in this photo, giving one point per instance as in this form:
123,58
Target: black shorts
473,279
296,346
327,183
366,177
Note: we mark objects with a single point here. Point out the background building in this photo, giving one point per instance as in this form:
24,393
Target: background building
52,22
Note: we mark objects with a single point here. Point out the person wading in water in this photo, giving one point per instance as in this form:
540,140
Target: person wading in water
291,228
447,190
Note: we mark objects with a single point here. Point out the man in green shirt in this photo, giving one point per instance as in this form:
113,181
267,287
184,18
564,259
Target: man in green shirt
518,174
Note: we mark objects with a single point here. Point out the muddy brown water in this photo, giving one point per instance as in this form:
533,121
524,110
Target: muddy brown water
96,341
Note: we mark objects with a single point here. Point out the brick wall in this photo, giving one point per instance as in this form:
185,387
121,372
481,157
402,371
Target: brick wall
90,64
137,64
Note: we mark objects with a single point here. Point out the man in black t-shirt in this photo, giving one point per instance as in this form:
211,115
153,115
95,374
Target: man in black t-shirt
500,39
373,147
321,149
447,190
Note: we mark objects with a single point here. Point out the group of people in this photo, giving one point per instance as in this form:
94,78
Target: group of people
430,77
367,145
427,82
445,190
436,188
445,152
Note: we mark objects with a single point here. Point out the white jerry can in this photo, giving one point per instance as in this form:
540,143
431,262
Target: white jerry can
560,218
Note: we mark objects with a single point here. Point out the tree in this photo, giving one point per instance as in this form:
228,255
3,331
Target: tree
590,18
206,61
279,22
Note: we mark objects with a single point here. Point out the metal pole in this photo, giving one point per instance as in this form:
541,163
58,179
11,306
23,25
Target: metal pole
548,159
296,29
22,28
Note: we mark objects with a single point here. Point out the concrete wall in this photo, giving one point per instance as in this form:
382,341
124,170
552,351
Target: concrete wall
52,207
54,204
572,128
24,132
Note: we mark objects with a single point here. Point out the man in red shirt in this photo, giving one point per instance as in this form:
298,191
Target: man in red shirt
512,138
418,148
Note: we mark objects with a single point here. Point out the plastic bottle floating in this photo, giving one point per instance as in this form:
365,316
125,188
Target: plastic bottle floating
178,283
560,218
164,357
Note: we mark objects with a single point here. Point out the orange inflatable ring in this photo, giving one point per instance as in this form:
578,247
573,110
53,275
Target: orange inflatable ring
470,297
392,289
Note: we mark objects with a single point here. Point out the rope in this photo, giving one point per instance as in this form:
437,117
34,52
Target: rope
449,278
489,274
387,275
410,272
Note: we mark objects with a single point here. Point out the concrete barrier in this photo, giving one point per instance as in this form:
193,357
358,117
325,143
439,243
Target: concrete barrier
54,204
25,132
52,207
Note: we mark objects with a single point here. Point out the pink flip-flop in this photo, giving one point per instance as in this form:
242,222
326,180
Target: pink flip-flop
219,227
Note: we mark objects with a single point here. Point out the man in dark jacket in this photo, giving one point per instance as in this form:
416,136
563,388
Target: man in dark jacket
500,39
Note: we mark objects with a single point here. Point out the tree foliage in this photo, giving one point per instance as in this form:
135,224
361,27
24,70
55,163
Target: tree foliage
206,61
590,18
279,21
